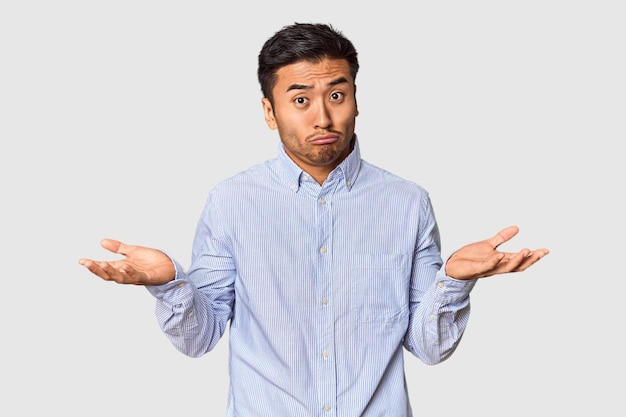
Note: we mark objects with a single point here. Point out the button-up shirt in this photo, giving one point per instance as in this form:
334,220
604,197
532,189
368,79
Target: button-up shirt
323,287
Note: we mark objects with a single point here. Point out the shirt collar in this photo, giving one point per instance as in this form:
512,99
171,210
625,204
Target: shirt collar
349,167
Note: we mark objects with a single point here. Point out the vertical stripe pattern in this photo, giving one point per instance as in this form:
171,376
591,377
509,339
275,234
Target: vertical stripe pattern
323,287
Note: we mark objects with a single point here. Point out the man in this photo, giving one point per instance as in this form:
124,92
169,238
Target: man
325,266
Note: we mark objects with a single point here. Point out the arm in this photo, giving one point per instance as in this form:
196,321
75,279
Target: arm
193,311
439,296
439,306
192,308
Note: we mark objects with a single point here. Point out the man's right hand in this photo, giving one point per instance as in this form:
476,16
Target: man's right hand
140,266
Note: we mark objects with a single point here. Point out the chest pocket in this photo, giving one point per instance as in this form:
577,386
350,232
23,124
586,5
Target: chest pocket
380,286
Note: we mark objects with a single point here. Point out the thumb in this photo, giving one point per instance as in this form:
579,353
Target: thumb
503,236
113,245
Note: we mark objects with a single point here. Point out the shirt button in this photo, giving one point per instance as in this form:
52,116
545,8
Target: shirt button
431,317
322,201
325,301
327,408
323,250
325,354
348,183
181,284
190,314
440,284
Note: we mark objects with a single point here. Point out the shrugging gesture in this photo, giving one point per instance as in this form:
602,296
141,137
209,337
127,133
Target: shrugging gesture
482,259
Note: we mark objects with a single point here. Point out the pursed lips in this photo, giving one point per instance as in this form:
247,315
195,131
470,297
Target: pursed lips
324,140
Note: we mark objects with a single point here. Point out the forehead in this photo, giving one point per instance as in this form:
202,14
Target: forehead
310,73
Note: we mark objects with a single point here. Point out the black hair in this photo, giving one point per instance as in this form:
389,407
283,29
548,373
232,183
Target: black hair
302,42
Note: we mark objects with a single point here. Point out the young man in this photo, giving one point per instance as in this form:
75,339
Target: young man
325,266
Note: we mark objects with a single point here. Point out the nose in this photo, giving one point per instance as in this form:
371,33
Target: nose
322,116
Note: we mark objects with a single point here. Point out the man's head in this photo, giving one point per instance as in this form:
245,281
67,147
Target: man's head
302,42
307,74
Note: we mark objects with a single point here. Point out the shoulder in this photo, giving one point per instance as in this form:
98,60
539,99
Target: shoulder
246,186
373,175
250,177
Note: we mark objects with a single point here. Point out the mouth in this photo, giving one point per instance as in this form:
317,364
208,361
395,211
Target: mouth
324,140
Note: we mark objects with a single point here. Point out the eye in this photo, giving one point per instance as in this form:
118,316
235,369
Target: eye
336,96
301,101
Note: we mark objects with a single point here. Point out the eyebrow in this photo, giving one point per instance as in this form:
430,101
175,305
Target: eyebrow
334,82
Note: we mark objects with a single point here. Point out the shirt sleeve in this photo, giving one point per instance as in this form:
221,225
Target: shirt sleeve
193,310
439,305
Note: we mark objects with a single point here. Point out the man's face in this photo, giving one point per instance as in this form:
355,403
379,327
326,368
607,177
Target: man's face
314,111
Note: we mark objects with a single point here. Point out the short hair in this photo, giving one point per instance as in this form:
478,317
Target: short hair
302,42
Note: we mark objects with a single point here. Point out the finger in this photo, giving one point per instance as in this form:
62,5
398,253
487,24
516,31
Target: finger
84,262
120,273
114,246
514,261
89,264
491,265
531,258
126,274
503,236
97,268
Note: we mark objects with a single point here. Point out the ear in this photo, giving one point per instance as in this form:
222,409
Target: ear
268,112
356,113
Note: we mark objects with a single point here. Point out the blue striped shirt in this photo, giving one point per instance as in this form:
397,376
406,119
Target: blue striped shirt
324,286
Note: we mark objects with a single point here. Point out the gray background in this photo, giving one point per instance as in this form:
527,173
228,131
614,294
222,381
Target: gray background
117,117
